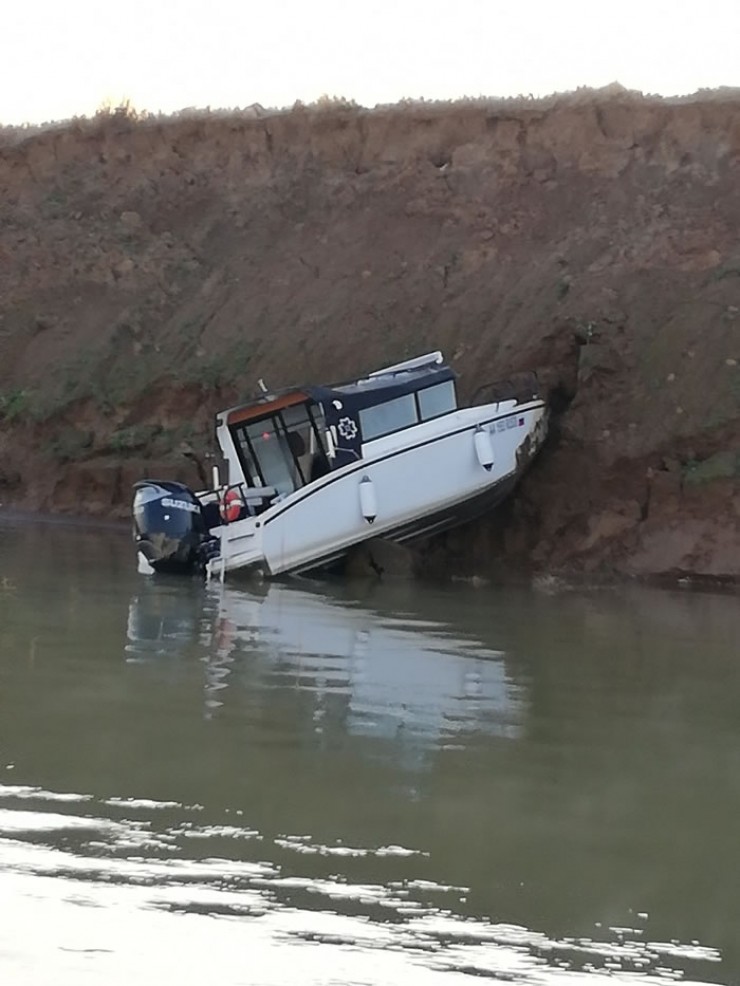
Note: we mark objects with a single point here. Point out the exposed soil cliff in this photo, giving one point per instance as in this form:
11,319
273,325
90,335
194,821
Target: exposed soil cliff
152,270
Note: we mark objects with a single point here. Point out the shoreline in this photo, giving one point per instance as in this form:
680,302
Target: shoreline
553,583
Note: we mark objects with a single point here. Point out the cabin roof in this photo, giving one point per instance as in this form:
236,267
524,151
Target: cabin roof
269,404
376,388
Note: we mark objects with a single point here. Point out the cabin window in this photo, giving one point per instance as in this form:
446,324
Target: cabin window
391,416
249,463
283,450
304,425
273,454
437,400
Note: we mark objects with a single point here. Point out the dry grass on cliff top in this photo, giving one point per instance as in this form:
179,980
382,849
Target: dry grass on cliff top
126,113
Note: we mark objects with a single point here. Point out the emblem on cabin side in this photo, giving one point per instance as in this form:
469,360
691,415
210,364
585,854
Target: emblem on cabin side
347,428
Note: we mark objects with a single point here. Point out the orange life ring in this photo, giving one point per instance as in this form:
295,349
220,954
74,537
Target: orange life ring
230,506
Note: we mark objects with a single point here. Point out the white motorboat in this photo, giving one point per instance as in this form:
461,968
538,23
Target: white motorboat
314,471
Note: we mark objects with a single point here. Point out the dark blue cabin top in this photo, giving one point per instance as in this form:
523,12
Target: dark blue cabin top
367,409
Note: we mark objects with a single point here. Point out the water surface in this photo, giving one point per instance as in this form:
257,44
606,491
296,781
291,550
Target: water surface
325,783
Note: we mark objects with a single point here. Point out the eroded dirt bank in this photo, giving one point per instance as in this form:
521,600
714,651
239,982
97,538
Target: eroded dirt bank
151,271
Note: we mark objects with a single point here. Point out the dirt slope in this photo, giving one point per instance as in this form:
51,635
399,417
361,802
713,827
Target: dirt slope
152,270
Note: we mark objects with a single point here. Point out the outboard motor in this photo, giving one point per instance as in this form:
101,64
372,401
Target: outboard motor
170,529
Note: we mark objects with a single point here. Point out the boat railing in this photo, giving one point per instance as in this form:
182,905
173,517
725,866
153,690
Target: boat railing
225,505
521,387
250,500
349,451
410,364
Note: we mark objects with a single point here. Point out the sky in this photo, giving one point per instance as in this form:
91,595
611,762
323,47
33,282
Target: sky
64,58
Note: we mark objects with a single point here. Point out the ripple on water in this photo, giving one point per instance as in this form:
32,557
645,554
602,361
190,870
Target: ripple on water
405,930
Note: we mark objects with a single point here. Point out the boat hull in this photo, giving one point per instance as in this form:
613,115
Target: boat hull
423,527
402,490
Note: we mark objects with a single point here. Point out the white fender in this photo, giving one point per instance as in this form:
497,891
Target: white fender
483,447
368,499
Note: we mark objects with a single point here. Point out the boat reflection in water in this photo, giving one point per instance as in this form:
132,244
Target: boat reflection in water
369,669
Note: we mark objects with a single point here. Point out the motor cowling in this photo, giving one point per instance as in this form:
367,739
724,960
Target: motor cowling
170,529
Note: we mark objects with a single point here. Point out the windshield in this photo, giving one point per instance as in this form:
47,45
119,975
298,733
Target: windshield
283,450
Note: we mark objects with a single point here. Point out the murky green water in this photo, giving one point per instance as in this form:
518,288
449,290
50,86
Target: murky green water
343,784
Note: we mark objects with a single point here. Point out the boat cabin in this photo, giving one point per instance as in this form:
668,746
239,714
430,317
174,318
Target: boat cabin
280,443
